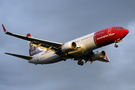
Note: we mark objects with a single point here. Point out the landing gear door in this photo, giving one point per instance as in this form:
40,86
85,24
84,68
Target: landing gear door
110,33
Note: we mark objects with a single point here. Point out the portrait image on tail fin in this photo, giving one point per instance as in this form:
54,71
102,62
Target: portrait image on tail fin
32,49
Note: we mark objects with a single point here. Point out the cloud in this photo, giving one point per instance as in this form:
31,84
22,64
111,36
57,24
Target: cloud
61,21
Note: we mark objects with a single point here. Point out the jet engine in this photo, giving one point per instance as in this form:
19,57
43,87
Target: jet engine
98,55
69,46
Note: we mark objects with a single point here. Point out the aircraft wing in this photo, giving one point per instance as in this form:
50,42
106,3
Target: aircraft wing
38,42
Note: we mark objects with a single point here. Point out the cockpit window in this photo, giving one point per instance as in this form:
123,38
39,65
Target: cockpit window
119,28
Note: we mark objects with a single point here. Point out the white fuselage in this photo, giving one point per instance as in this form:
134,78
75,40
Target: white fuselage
84,45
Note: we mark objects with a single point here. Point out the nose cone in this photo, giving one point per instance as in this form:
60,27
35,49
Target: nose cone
125,31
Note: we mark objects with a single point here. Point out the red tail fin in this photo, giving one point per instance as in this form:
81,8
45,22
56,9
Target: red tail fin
28,35
33,49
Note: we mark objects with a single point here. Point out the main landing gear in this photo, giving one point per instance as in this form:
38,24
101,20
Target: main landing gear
80,62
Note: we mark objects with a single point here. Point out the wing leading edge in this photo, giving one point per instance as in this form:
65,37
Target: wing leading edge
36,41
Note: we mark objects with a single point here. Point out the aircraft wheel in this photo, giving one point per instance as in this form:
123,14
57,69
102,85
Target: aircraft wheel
116,45
64,58
80,62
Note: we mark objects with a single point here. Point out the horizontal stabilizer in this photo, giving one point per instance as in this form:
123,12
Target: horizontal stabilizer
21,56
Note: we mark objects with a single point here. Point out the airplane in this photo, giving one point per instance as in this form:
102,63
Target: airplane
80,49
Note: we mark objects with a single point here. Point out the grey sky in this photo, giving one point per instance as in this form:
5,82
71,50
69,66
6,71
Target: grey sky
61,21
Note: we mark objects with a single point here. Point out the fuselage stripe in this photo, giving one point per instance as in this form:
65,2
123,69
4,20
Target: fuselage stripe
94,39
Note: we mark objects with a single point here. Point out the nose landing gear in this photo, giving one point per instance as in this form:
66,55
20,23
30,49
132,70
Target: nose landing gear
117,41
116,45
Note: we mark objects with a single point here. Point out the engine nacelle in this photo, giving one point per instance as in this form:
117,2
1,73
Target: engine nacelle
69,46
98,55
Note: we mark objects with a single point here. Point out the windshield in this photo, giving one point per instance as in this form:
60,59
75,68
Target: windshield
119,28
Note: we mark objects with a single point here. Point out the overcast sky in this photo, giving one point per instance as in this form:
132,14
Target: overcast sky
61,21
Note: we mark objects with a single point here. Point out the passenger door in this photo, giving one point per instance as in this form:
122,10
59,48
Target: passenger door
110,33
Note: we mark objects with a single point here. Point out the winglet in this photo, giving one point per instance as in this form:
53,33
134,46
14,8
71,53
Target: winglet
4,28
107,58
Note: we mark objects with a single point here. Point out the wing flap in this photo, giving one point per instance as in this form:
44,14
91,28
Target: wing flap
20,56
